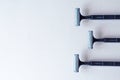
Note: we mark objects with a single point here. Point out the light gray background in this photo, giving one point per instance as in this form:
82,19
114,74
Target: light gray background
38,39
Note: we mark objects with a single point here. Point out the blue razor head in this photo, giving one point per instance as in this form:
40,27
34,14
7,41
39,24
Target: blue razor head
76,65
90,40
78,17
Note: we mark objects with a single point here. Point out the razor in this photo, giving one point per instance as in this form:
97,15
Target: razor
78,63
92,39
79,17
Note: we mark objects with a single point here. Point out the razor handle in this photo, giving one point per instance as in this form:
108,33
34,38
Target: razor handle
104,17
109,40
100,63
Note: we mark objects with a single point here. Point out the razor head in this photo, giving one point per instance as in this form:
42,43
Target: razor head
90,40
78,17
77,63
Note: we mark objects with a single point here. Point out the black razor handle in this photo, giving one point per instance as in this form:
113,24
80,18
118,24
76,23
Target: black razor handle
111,39
104,17
108,40
104,63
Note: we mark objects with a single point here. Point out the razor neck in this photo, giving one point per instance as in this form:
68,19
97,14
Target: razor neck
99,40
86,17
81,63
